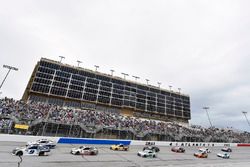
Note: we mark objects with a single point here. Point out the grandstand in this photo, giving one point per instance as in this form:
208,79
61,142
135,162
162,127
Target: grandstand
64,85
61,100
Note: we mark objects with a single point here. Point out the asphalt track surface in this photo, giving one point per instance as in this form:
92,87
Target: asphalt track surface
60,157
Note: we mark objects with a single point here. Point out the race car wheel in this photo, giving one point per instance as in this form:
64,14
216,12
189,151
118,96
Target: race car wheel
153,156
77,153
20,153
41,154
125,149
116,148
144,156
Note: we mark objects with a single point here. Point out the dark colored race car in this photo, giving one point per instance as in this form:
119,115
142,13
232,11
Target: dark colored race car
153,148
226,149
178,149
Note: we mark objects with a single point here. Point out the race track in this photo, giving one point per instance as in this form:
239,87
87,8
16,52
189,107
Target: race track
60,157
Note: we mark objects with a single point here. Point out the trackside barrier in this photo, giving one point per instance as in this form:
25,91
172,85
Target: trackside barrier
23,138
65,140
92,141
243,145
184,144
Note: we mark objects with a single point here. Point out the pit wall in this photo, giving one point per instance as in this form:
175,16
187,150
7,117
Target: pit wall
68,140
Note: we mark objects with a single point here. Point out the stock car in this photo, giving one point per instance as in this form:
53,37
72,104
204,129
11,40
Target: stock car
83,150
205,150
224,155
226,149
178,149
34,149
201,154
44,142
153,148
120,147
147,153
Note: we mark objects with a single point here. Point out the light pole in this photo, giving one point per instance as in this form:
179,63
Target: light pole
78,62
147,80
179,90
245,114
159,84
206,108
96,67
9,69
136,78
124,75
61,57
112,72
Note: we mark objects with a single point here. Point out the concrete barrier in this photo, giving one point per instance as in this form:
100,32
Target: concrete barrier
68,140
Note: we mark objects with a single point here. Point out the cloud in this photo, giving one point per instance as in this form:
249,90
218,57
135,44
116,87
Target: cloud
201,47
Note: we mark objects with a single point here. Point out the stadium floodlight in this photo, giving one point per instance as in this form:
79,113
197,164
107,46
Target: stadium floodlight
245,114
147,80
170,87
9,69
179,89
159,84
124,75
112,72
96,67
206,109
78,62
136,77
61,57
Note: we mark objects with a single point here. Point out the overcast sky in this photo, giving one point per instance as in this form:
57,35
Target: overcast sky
200,46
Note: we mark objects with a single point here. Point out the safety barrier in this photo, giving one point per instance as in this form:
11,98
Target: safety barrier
243,145
68,140
92,141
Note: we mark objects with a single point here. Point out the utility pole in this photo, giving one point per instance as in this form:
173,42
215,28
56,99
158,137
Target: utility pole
9,69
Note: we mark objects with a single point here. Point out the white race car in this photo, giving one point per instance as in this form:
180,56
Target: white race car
147,153
84,151
204,149
35,149
43,142
224,155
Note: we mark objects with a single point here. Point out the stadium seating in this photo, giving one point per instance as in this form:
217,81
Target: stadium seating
48,119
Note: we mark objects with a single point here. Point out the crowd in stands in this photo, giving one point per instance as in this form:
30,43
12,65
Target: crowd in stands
16,111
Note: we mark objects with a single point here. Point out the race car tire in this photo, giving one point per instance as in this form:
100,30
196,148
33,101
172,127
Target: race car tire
77,153
116,149
153,156
144,156
41,154
19,153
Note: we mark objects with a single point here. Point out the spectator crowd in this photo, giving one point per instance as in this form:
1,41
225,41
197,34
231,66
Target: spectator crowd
16,111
